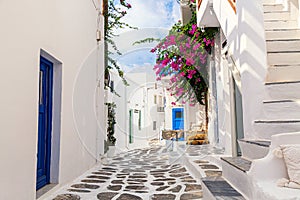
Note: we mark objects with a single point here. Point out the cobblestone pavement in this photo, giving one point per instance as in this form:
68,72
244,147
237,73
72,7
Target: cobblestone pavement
140,174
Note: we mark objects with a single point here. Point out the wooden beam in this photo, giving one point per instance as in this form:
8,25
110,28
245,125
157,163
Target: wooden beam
232,4
199,4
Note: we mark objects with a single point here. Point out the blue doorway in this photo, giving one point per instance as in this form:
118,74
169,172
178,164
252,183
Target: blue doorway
178,120
45,122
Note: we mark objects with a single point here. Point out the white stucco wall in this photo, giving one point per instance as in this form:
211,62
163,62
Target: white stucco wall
139,96
66,30
246,46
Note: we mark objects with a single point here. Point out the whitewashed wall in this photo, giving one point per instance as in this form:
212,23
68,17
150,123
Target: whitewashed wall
66,30
246,46
139,95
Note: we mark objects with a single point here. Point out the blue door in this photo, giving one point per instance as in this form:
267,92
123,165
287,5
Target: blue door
45,121
178,120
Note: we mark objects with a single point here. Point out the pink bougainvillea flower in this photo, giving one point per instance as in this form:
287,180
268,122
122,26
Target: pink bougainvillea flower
153,50
182,74
194,28
180,92
158,72
156,67
174,65
188,45
173,79
173,103
196,46
158,78
207,42
190,62
128,5
172,39
165,62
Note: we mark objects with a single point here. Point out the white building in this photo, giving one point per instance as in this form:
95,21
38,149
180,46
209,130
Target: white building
254,84
50,44
193,116
140,109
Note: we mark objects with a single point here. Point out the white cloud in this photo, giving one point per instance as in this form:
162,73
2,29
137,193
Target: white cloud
153,13
153,18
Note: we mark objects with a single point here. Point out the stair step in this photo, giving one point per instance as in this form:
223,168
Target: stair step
283,73
219,188
279,15
254,149
238,162
284,58
281,110
263,143
267,128
280,24
273,7
280,34
269,2
283,45
284,90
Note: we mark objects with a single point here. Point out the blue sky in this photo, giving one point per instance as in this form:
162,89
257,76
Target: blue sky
148,14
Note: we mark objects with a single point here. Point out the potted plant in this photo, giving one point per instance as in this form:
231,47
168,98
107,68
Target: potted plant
111,121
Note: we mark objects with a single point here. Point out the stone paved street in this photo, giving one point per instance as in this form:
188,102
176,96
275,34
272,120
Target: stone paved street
139,174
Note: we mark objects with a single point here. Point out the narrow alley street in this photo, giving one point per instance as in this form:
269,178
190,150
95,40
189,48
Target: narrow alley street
150,173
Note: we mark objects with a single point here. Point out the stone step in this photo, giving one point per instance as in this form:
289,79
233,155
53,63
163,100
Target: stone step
280,24
273,7
267,128
284,58
291,45
283,73
269,2
254,149
234,171
281,34
283,90
238,162
279,15
218,188
282,109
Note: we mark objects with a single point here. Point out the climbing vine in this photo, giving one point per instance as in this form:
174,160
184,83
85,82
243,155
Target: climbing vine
182,57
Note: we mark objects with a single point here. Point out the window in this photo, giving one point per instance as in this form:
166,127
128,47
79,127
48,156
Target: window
160,100
178,115
112,85
155,99
154,125
140,120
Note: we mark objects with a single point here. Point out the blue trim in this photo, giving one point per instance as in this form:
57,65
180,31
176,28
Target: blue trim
177,123
45,124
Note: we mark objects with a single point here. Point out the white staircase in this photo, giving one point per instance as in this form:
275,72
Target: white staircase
282,104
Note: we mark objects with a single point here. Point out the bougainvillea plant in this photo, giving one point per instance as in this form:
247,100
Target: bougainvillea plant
182,56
